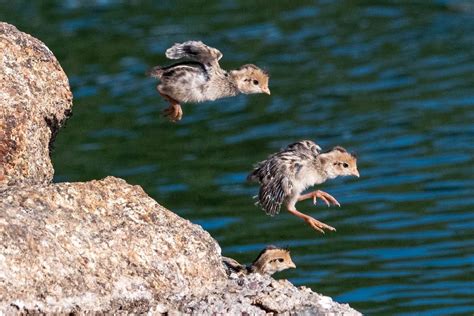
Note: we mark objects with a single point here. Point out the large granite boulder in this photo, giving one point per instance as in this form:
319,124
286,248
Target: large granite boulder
106,246
98,246
35,100
102,246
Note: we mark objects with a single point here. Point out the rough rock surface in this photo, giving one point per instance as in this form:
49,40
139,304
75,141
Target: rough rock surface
34,101
106,246
98,245
102,246
256,294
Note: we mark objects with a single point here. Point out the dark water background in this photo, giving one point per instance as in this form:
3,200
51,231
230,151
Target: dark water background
391,80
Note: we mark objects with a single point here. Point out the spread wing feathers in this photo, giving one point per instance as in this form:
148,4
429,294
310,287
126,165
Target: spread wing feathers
277,173
178,70
194,50
272,195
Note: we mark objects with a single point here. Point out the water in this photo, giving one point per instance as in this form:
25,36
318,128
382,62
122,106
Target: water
391,81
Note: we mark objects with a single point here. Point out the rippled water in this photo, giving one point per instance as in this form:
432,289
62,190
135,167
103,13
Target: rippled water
390,80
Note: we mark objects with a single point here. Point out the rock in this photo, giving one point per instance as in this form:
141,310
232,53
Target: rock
102,246
35,100
106,246
98,246
257,294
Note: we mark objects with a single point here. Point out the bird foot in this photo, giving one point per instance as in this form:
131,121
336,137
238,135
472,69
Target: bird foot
326,197
319,226
174,112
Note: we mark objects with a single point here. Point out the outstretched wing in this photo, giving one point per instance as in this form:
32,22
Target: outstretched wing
194,50
277,173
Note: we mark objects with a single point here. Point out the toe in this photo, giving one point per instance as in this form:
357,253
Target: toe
330,228
322,225
325,201
328,198
314,225
318,229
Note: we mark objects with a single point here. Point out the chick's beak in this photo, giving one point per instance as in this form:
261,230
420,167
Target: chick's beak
292,265
355,172
266,90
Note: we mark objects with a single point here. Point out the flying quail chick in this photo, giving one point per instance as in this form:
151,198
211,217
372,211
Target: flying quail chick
285,175
198,77
270,260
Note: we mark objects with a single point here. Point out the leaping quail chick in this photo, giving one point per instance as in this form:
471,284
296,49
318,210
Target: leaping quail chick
285,175
270,260
199,77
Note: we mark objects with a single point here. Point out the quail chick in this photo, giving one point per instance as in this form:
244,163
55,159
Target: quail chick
285,175
198,77
270,260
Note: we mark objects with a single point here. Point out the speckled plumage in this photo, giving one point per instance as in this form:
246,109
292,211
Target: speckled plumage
277,174
199,77
270,260
283,176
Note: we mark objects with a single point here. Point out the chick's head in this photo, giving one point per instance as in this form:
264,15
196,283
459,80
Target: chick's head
273,259
251,79
339,162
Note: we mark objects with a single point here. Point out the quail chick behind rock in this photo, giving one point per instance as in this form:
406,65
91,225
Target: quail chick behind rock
198,77
283,176
271,259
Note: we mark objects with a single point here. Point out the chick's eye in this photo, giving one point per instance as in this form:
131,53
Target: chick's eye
345,165
255,82
280,259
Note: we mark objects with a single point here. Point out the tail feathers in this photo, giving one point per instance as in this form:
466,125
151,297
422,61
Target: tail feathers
155,72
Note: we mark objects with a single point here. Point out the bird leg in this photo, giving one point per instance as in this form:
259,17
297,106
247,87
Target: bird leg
317,225
173,112
326,197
